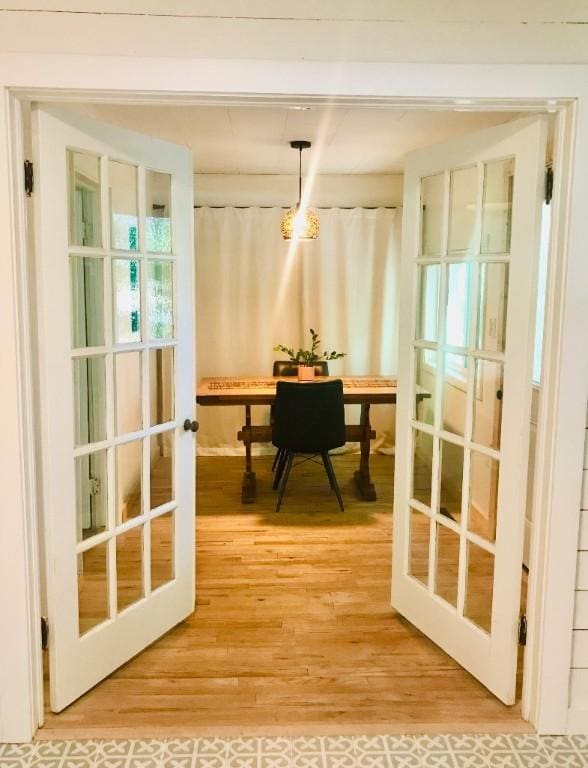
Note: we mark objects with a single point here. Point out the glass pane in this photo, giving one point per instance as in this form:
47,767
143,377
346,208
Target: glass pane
162,549
124,222
451,480
91,494
493,303
128,480
462,210
89,399
479,586
425,385
84,199
422,466
158,209
87,302
428,302
161,377
162,468
129,567
432,215
488,403
160,300
497,206
127,381
447,564
458,304
93,587
453,404
418,565
126,292
483,495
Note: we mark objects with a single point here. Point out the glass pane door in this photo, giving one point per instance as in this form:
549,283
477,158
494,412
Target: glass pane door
469,256
115,217
457,424
123,462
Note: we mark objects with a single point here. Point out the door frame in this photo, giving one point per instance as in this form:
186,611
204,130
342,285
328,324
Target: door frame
560,447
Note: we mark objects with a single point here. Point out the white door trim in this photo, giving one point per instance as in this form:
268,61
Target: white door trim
161,81
561,418
21,680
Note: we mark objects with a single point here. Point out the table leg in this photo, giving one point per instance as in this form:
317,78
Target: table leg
367,489
248,487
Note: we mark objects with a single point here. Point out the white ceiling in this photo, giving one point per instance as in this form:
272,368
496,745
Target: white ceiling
255,139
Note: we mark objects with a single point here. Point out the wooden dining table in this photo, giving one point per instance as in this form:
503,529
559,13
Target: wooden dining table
261,390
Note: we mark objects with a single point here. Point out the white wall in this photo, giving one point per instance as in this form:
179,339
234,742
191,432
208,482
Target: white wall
528,31
578,712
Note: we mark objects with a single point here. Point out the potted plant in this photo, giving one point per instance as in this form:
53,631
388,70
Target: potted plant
307,358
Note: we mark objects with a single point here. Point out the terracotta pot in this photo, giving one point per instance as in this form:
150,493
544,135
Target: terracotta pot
305,372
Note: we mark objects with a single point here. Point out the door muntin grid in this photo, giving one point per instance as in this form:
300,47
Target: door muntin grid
119,497
457,372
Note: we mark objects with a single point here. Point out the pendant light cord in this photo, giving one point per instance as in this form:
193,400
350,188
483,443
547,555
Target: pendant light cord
299,176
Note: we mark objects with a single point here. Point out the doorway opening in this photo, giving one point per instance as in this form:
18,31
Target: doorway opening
368,523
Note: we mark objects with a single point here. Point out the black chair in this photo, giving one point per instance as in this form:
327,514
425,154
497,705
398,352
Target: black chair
289,368
309,418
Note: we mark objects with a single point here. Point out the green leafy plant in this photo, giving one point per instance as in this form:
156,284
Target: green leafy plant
309,356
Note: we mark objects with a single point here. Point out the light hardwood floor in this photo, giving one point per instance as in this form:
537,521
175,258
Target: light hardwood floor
293,631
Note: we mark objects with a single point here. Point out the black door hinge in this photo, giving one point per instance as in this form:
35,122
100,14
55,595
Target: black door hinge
548,184
44,633
523,629
28,177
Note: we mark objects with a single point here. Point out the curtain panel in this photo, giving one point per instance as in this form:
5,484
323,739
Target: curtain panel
254,290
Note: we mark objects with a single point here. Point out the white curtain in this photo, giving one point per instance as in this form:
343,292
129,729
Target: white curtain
253,292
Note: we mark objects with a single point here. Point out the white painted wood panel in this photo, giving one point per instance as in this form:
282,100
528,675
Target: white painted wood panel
583,536
578,711
581,610
584,502
582,574
313,36
579,687
580,649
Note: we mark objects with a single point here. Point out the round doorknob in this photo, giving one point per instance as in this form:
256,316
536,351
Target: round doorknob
191,426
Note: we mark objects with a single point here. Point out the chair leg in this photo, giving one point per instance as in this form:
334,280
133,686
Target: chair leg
280,468
277,458
332,477
328,468
286,475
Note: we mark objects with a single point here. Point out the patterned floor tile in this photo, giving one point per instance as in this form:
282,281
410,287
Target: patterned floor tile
179,748
211,746
16,751
14,762
367,751
563,751
210,761
580,742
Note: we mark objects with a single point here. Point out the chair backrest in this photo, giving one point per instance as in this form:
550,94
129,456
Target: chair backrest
309,416
288,368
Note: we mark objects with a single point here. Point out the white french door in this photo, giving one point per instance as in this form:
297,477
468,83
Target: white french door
470,249
114,234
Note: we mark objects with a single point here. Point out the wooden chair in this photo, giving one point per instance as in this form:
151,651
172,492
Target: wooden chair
309,420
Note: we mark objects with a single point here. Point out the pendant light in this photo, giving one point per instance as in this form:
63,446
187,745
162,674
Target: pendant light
299,223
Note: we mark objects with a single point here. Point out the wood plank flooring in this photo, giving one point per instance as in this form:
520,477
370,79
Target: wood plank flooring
293,631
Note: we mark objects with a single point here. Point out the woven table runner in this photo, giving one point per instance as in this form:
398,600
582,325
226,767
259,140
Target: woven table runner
270,383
